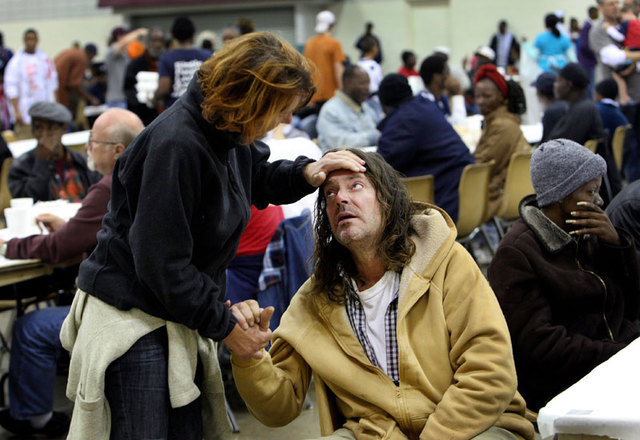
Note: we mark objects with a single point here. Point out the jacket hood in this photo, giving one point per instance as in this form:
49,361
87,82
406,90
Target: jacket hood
552,237
435,234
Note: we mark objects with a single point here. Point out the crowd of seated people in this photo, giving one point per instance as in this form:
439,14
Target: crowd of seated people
559,297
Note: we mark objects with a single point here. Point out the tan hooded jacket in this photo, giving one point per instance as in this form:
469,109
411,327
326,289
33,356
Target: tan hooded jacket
457,375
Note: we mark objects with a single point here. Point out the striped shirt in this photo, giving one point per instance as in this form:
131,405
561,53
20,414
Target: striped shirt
358,321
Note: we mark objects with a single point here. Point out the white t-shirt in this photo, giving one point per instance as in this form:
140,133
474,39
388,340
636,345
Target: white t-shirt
374,71
375,300
30,78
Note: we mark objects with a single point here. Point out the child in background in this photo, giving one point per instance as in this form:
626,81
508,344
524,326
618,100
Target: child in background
369,64
370,49
627,33
408,64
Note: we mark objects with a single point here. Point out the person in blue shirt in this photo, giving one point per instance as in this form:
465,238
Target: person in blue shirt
551,49
176,67
606,93
416,139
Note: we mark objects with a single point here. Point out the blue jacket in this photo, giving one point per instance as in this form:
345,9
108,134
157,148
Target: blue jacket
611,117
287,264
416,139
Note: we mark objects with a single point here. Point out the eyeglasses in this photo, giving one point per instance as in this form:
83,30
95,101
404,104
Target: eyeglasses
93,141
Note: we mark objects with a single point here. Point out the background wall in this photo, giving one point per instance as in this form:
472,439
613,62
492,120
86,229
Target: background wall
462,25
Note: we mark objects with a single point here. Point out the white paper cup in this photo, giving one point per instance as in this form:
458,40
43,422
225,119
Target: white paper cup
18,221
144,76
22,202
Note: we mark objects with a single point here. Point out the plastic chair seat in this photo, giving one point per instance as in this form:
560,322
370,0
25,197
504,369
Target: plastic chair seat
420,188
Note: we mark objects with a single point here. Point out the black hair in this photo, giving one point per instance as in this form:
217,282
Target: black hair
405,56
592,9
207,44
551,23
516,101
350,71
608,88
30,31
245,25
183,29
367,43
430,66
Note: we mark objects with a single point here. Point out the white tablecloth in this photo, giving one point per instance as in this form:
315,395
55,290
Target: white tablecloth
604,402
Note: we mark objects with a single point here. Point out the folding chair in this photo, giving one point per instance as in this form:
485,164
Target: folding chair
517,185
420,188
473,200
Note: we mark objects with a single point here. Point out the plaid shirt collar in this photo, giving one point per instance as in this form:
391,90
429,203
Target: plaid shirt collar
358,322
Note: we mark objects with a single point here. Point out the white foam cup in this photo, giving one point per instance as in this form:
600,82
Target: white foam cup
22,202
18,221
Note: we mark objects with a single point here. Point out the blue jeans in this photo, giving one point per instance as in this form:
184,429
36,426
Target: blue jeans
35,351
136,387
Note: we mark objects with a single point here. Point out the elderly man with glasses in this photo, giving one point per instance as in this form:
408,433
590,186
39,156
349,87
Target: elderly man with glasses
50,171
36,346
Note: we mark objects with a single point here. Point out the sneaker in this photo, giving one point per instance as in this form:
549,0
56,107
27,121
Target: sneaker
55,427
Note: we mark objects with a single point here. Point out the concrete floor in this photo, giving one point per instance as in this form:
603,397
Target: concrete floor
306,426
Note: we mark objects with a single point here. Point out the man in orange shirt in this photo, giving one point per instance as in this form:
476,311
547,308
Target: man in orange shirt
326,53
71,65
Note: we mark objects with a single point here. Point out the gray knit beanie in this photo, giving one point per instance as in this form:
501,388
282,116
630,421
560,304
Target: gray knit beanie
560,166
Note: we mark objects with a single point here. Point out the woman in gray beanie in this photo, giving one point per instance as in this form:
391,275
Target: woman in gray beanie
566,279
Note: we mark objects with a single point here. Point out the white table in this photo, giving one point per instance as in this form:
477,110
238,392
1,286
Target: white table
603,403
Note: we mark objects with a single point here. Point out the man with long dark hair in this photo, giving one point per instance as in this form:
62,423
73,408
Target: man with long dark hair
398,325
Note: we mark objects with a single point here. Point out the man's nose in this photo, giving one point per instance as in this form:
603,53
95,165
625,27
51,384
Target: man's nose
341,197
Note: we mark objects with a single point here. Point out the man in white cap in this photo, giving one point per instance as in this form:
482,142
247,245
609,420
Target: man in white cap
326,53
50,171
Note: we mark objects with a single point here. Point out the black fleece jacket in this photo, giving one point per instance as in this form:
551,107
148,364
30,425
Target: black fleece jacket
180,200
569,303
30,176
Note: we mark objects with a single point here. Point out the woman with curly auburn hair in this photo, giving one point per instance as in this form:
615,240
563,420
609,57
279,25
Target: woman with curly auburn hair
150,302
247,88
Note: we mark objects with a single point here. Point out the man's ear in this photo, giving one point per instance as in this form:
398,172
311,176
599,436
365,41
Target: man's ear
118,149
